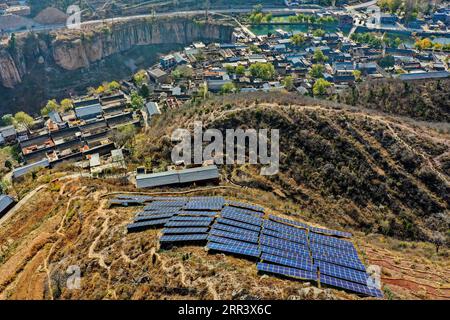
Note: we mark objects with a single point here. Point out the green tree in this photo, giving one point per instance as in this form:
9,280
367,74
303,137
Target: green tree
316,71
318,33
357,75
320,87
24,119
228,88
288,82
7,120
319,56
66,104
240,70
137,102
113,86
140,77
51,106
298,39
144,91
387,61
265,71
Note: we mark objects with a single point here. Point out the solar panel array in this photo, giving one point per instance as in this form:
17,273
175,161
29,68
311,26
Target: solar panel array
282,247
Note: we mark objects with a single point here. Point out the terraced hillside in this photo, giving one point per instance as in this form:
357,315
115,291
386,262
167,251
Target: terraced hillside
384,179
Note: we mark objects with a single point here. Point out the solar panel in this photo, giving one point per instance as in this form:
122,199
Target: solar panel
184,230
286,271
162,204
331,232
243,211
232,242
243,218
282,246
207,204
238,224
243,205
351,286
333,251
279,235
339,261
342,272
160,210
188,224
139,226
183,238
285,254
330,241
235,236
288,221
245,251
159,198
188,218
299,263
265,237
152,217
237,230
198,213
275,226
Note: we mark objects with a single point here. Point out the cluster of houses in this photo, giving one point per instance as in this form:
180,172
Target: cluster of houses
346,62
82,134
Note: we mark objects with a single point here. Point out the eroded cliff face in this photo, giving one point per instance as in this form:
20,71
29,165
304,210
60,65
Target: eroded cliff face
38,59
9,74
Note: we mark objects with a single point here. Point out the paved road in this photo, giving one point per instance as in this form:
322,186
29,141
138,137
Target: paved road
361,5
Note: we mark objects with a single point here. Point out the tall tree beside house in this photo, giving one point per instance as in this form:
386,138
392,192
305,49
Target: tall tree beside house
320,87
137,102
66,104
288,82
319,56
51,105
265,71
7,120
298,39
316,71
24,119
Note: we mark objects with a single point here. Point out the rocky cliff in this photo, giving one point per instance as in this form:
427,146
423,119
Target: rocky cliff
39,59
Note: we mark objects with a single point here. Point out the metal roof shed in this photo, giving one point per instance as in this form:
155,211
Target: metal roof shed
199,174
18,172
88,112
6,202
157,179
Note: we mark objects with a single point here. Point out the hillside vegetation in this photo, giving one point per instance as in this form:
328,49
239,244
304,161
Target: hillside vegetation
422,100
344,167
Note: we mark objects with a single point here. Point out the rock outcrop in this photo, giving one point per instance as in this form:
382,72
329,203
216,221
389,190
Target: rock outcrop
63,52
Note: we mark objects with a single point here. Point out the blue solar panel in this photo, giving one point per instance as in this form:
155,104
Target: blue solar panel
159,198
207,204
266,237
197,213
188,224
299,263
330,241
243,218
285,254
232,242
184,230
239,224
163,205
235,236
279,235
288,221
351,286
183,238
331,232
237,230
243,205
160,210
283,246
188,218
333,251
286,271
245,251
341,272
339,261
243,211
275,226
138,226
152,217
